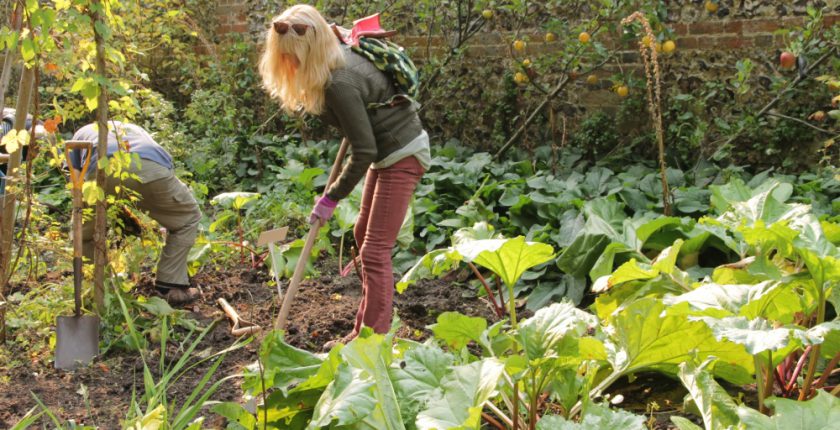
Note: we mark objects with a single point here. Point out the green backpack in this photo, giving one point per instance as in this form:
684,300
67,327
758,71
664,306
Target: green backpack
392,60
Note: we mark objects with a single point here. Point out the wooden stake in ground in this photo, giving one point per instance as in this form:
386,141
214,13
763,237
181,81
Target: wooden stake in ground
100,254
300,268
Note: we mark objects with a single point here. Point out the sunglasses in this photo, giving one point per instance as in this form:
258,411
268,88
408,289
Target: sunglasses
282,28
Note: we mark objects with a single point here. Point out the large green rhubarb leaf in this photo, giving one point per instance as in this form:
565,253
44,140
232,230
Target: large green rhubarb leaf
764,206
234,200
431,265
465,390
775,301
635,234
756,335
467,242
633,270
457,330
820,413
418,379
597,417
718,410
725,196
604,265
284,365
372,355
513,258
540,334
826,334
347,400
604,218
643,336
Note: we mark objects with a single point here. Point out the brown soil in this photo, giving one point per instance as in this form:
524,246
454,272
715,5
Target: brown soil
324,309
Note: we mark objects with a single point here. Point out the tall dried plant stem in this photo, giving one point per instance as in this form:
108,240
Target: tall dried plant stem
654,89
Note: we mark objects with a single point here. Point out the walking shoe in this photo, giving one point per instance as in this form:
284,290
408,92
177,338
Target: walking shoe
176,294
333,343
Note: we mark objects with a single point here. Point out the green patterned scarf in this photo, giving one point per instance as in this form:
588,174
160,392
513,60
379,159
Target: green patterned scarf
392,60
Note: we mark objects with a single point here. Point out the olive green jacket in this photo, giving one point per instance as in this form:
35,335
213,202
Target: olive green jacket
373,133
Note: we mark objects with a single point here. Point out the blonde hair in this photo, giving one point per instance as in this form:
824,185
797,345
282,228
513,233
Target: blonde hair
296,69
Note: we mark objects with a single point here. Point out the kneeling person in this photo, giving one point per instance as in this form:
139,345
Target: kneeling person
165,198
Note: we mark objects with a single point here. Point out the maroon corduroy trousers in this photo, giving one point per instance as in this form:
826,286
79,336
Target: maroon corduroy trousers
385,200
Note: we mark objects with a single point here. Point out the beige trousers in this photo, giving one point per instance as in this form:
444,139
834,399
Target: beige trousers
169,202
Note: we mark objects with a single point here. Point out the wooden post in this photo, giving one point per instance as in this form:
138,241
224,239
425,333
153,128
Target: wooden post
100,254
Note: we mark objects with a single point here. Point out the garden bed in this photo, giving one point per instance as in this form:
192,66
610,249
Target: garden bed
324,309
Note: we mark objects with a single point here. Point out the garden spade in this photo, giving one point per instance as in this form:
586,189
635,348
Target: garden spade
77,335
300,268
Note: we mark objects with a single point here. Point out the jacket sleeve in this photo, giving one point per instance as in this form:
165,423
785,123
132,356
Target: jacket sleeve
345,102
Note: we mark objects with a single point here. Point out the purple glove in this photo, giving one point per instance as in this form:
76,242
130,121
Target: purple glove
323,210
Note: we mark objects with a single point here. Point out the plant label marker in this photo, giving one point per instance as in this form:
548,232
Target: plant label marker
269,238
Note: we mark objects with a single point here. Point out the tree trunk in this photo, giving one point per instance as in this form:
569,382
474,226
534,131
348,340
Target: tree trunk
7,219
100,255
16,21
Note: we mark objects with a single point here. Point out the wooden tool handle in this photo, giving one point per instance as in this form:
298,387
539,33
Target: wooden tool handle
336,168
300,268
229,311
78,144
78,178
77,248
235,319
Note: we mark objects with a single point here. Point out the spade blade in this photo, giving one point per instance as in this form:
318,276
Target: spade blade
77,341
